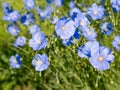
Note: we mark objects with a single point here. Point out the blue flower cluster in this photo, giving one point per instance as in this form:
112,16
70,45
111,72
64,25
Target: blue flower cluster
68,28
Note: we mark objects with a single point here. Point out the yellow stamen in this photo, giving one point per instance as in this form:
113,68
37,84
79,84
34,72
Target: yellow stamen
95,12
39,41
41,62
63,27
81,23
100,58
15,60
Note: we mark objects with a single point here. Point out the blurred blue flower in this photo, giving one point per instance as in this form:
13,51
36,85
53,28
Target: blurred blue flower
72,4
58,3
96,12
27,19
45,13
12,16
7,8
15,61
81,21
73,12
29,4
34,29
40,62
115,5
20,41
49,1
38,41
116,42
107,28
88,49
89,34
102,58
70,41
13,29
65,28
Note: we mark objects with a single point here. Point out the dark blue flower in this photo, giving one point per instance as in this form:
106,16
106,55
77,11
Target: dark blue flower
15,61
96,12
27,19
70,41
102,58
49,1
7,8
115,5
29,4
74,11
65,28
38,41
13,29
40,62
116,42
20,41
107,28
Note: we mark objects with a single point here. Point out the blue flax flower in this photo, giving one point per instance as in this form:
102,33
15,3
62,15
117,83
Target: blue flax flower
89,34
38,41
81,21
72,4
116,42
12,16
76,36
45,13
13,29
73,12
29,4
107,28
27,19
96,12
34,29
7,8
65,28
20,41
88,49
40,62
102,58
58,3
115,5
15,61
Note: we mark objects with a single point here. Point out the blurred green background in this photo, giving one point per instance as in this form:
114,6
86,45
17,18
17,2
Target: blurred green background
67,71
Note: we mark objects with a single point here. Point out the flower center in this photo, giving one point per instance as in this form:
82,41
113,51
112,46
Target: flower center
95,12
39,41
13,30
63,27
20,41
29,4
15,61
100,58
41,62
81,23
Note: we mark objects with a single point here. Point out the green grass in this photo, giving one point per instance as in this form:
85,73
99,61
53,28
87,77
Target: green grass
67,71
